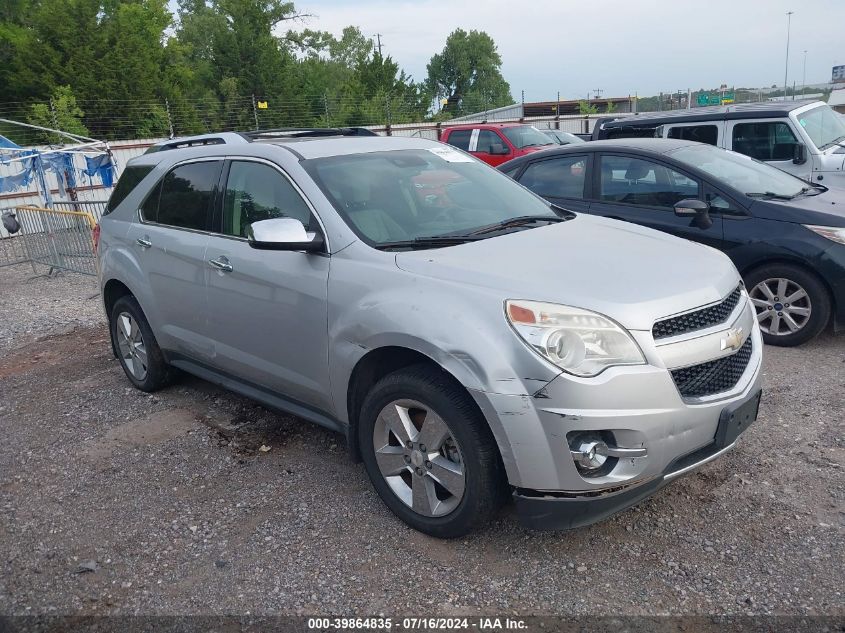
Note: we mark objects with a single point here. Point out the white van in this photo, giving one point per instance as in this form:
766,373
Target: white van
805,138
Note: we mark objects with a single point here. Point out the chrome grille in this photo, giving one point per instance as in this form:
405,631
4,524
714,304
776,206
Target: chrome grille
698,320
715,376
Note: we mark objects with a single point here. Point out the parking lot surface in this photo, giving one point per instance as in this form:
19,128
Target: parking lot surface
194,500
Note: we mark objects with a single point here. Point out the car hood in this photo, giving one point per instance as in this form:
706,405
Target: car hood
825,209
630,273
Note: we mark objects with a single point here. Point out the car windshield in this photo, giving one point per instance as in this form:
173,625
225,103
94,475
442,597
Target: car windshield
419,194
526,136
741,172
824,126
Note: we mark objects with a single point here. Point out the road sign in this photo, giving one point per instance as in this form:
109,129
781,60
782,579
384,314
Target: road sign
709,98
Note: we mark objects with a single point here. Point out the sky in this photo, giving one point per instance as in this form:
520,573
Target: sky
621,47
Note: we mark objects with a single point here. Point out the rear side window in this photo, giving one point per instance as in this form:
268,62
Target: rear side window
701,133
185,197
630,132
129,179
460,139
558,177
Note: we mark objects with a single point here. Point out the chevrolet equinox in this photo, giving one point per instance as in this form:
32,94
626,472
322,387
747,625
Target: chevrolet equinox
469,339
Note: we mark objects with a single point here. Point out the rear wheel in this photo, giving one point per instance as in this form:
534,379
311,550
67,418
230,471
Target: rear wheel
792,305
137,349
429,452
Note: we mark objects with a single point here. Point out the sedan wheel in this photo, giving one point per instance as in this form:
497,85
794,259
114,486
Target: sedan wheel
130,344
783,306
419,458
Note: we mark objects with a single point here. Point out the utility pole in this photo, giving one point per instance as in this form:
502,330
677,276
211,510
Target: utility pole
378,37
598,92
786,69
804,78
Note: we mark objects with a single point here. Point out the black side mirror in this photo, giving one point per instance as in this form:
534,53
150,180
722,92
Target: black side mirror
799,153
499,150
698,210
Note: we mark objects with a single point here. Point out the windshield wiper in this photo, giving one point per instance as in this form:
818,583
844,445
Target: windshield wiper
433,241
770,194
837,141
519,221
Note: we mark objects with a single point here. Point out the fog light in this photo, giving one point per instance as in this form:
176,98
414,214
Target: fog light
596,453
590,454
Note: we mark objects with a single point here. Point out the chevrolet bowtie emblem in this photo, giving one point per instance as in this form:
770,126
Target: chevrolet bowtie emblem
733,340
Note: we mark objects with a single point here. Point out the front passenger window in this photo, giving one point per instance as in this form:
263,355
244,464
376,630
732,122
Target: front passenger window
256,192
643,183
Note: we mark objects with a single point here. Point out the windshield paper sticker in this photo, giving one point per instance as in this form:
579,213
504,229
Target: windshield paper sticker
450,155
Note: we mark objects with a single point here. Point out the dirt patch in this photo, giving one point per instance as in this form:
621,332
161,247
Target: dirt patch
155,428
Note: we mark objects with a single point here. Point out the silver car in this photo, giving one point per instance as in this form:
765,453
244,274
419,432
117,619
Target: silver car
469,339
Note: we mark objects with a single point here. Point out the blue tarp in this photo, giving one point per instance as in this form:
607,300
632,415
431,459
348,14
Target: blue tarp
101,166
35,164
4,142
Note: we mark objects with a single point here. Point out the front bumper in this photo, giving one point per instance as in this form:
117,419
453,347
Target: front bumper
564,512
640,405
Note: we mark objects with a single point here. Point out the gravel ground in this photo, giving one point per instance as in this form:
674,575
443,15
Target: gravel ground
33,304
177,505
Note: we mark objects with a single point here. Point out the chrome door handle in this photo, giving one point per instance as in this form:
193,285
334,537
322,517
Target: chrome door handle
222,264
143,242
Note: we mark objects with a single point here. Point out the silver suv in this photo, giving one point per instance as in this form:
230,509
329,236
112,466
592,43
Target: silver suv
469,339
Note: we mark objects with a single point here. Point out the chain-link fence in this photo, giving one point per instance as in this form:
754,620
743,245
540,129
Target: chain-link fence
121,119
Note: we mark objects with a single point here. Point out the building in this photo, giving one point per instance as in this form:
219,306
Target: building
837,100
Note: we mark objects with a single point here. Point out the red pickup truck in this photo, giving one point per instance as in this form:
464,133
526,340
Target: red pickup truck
496,143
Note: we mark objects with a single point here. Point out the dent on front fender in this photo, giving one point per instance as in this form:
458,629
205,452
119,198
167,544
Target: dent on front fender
461,328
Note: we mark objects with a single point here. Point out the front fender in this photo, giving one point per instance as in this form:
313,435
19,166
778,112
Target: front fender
462,328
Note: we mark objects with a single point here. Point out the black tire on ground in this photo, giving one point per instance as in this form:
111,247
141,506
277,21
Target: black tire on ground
819,300
485,481
158,373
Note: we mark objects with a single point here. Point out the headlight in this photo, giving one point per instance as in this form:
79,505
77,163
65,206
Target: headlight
578,341
835,233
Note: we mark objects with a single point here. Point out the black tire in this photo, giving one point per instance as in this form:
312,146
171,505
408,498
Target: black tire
485,484
818,300
158,373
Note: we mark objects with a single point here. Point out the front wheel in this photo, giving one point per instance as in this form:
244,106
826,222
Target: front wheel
792,305
429,453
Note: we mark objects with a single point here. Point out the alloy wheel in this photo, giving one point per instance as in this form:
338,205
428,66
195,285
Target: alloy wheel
419,458
131,345
783,307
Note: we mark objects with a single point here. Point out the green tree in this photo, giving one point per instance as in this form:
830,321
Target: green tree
62,113
467,72
585,107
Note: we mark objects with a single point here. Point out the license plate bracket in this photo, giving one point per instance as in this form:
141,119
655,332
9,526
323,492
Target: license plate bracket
734,420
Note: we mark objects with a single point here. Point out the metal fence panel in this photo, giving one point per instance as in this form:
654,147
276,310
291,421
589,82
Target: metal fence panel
58,239
12,251
95,208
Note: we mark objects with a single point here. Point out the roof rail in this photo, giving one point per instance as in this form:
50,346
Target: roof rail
225,138
306,132
197,141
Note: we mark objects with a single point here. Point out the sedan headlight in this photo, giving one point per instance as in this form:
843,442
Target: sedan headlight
835,233
578,341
